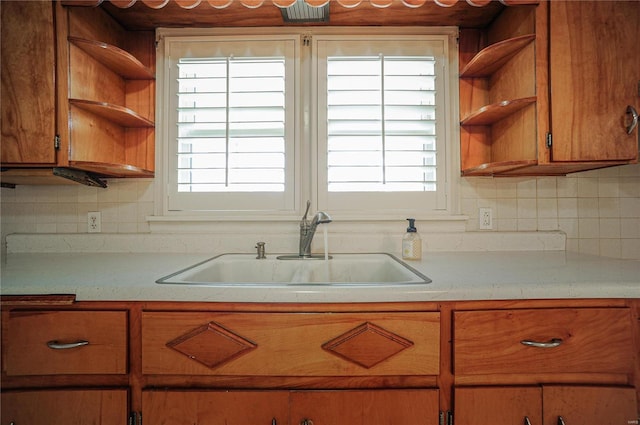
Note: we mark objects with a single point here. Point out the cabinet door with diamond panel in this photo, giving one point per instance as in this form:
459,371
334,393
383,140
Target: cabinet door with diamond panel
291,344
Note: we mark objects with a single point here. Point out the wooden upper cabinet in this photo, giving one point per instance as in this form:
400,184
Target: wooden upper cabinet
595,75
28,100
78,93
544,90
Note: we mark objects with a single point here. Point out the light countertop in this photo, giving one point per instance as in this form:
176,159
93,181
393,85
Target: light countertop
454,275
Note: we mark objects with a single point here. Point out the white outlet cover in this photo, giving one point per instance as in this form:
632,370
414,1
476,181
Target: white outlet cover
94,224
485,219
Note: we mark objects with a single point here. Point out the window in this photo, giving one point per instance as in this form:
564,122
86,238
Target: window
230,123
258,124
381,132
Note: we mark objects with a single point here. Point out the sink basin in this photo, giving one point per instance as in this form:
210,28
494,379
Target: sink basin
342,269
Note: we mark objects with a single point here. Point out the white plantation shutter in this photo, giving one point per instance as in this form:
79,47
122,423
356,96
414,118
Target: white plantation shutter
234,125
231,125
380,126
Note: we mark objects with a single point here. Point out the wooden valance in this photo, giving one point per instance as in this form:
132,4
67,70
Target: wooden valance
252,4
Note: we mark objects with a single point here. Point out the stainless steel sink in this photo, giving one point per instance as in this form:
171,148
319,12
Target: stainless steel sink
375,269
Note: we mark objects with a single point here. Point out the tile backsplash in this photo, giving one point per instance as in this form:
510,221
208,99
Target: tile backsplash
599,211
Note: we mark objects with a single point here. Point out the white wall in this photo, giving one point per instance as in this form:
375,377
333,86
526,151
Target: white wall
598,210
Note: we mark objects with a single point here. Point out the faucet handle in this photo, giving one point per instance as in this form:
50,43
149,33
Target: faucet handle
304,220
304,217
305,225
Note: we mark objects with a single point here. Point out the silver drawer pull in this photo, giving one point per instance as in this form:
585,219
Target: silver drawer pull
555,342
55,345
634,118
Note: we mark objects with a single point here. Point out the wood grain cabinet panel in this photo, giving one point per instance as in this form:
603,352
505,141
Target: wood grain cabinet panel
595,72
212,407
291,344
362,407
589,405
336,407
498,405
528,341
52,342
547,404
87,406
28,83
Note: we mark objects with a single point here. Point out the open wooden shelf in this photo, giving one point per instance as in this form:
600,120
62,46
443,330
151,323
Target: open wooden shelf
489,169
499,96
490,114
490,59
114,58
114,113
114,170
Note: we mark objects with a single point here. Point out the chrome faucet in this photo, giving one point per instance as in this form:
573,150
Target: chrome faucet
308,230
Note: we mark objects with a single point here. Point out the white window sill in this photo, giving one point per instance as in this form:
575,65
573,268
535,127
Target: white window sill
289,224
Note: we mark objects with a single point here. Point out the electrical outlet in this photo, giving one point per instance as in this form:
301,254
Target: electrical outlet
485,219
93,222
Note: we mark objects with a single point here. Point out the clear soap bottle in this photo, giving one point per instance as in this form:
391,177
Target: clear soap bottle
411,242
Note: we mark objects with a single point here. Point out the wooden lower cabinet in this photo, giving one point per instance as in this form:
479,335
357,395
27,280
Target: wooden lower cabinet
215,407
545,405
365,407
334,407
464,363
46,407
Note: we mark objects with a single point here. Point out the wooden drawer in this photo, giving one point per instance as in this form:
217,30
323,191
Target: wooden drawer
31,336
291,344
587,340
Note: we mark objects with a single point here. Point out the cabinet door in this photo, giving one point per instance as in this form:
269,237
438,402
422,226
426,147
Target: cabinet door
589,405
498,406
105,407
595,70
28,82
364,407
215,407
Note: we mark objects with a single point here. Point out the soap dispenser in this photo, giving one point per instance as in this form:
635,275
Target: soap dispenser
411,242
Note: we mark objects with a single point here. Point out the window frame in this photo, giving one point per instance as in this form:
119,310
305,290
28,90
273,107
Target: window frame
306,131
